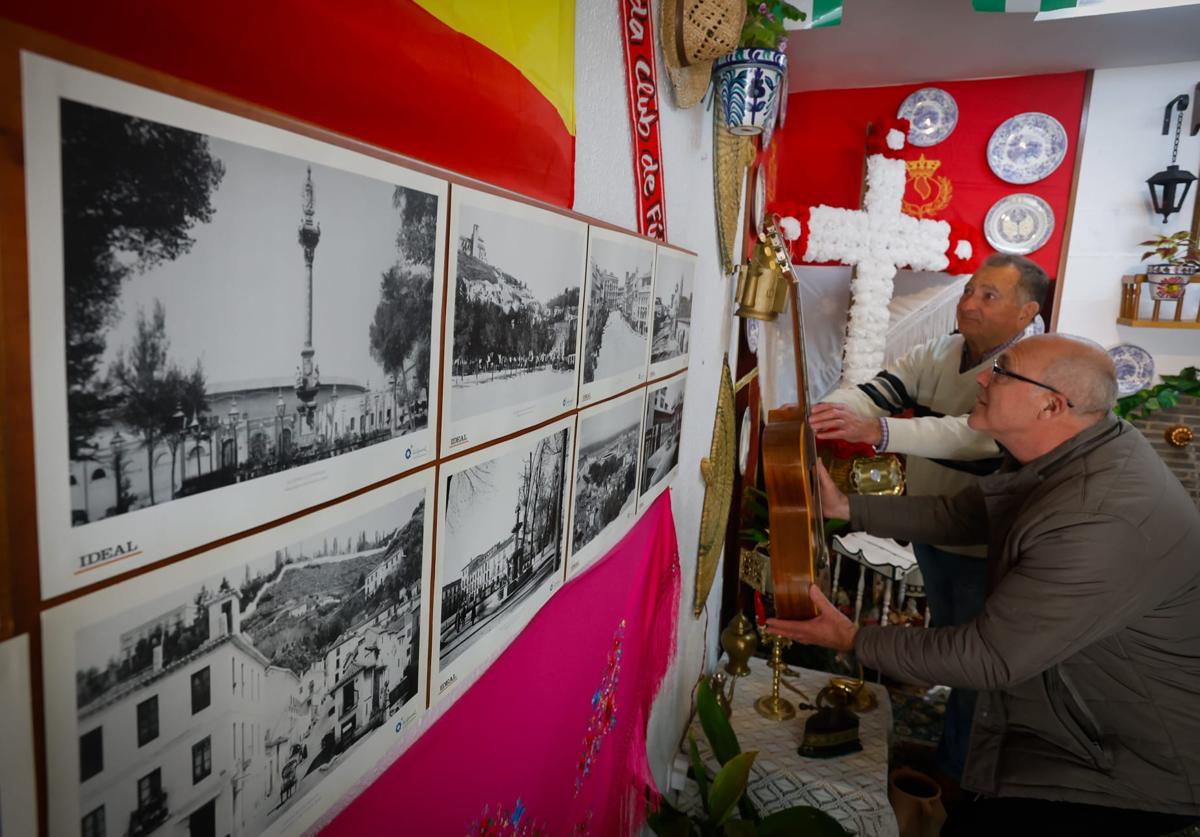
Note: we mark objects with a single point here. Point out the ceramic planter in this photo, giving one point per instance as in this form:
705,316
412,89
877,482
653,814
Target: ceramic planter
749,83
1168,281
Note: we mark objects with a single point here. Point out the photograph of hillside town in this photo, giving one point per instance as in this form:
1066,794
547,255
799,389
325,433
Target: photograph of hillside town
215,330
620,276
503,539
606,468
213,709
660,432
672,305
516,308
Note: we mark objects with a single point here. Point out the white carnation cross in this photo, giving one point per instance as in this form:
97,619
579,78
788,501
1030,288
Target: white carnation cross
876,241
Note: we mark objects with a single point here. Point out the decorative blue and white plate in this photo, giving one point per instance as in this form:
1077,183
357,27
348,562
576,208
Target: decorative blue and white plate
1019,224
1135,368
932,114
1027,147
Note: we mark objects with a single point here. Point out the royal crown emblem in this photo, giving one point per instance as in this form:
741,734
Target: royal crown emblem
933,190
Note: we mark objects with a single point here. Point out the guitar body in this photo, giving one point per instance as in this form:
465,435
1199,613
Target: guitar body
787,472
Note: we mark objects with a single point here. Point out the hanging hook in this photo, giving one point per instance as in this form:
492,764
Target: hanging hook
1179,103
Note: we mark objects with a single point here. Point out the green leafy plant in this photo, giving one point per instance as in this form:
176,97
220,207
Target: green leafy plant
1180,249
1164,396
764,27
722,795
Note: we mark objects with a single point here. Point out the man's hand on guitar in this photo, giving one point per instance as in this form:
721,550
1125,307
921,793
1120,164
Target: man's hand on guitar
837,421
833,502
829,628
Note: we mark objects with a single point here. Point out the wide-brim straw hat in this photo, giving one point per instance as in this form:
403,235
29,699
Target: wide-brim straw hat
694,32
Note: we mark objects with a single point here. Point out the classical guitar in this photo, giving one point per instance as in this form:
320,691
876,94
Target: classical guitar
789,453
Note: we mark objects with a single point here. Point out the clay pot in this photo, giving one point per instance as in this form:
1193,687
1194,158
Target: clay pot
917,801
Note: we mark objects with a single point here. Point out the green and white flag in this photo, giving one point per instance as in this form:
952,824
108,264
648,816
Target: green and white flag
817,14
1023,5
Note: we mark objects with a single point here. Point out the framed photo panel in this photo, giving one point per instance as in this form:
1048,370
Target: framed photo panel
512,317
18,785
608,443
618,302
230,322
671,333
243,691
502,532
660,438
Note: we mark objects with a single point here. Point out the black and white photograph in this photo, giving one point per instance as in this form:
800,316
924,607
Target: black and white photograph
660,437
513,306
220,309
607,443
617,308
242,691
501,546
18,788
673,274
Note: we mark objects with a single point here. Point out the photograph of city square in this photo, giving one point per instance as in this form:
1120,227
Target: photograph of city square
517,273
660,432
618,305
502,540
230,312
605,471
217,705
672,308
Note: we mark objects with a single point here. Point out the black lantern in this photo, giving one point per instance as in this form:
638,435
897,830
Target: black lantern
1169,187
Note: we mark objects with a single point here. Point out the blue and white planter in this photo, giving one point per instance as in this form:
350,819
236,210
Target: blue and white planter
750,86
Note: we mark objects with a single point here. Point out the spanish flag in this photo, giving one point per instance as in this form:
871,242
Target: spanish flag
485,88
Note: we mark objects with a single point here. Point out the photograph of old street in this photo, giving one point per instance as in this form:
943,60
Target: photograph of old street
618,307
672,307
660,436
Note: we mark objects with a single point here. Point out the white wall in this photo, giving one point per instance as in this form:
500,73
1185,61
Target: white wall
604,188
1123,146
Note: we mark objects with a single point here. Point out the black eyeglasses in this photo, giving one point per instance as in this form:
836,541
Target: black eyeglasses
997,369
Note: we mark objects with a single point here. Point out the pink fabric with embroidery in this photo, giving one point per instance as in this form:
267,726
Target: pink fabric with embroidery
551,740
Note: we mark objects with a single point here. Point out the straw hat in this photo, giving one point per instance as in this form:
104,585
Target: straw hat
694,32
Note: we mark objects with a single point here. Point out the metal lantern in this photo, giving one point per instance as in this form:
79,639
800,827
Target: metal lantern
1169,187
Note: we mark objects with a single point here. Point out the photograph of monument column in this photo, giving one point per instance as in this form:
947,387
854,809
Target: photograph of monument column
231,312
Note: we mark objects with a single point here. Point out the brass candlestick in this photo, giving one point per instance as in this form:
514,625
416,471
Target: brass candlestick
774,706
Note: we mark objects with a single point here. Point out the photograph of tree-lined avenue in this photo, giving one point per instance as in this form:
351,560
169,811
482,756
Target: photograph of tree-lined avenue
516,308
504,537
230,312
606,471
243,692
660,433
618,306
672,306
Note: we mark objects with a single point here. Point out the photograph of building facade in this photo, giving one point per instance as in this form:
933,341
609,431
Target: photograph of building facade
514,335
606,470
660,433
503,538
672,305
18,771
212,709
619,294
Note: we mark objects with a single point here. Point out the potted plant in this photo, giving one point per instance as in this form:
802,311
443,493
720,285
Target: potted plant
725,811
1180,255
749,79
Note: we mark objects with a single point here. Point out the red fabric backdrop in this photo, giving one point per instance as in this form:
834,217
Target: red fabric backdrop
383,71
819,158
551,740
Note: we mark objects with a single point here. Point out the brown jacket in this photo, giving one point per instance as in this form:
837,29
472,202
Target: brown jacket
1087,652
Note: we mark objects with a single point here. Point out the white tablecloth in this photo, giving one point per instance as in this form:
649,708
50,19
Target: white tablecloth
851,788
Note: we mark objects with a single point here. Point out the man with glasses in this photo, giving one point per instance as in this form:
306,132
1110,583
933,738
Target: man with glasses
1087,650
936,381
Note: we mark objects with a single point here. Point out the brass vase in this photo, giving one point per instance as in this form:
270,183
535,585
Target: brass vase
740,641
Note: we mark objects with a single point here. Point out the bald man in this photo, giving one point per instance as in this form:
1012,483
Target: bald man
1087,651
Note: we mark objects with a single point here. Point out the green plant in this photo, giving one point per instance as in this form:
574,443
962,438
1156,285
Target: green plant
1180,249
764,24
723,794
1161,397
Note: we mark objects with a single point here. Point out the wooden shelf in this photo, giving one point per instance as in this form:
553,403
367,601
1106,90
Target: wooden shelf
1126,321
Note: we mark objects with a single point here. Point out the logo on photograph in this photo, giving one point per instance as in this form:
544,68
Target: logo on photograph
109,553
408,452
458,440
